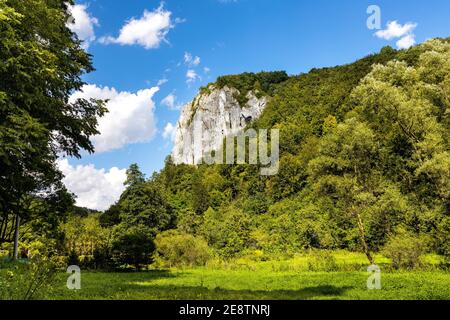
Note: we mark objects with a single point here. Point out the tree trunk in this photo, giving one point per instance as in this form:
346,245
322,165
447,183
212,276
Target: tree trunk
16,239
362,234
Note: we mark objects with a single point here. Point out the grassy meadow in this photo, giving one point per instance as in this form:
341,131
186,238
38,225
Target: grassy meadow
343,277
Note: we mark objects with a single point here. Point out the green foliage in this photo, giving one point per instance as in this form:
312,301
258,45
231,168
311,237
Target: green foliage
144,203
405,250
29,279
262,83
443,236
133,246
364,151
177,249
41,65
134,176
227,230
110,217
322,260
86,243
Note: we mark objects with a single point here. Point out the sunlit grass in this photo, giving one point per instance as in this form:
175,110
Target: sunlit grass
273,280
226,284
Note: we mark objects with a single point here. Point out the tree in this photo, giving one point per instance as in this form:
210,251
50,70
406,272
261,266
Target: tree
407,107
111,217
389,162
41,64
134,176
346,170
133,246
145,204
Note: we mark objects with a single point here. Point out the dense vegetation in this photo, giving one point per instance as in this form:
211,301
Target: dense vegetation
364,167
365,160
41,64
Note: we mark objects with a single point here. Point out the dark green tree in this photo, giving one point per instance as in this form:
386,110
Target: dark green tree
41,64
134,176
133,246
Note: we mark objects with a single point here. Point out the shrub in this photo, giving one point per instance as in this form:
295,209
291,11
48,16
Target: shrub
175,249
87,243
227,230
28,280
443,237
405,250
322,260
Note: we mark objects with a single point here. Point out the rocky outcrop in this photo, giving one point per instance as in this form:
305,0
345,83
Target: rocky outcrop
212,116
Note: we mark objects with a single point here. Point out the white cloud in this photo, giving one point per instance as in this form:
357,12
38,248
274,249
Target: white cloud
406,42
148,31
130,119
162,81
169,101
190,60
206,70
191,76
95,188
169,132
82,23
396,30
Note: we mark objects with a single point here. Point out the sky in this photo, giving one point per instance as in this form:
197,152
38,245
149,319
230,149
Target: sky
151,57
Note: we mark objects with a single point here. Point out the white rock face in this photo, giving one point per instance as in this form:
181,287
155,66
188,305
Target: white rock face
209,119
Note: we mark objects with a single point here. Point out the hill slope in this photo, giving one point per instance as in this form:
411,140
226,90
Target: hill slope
365,162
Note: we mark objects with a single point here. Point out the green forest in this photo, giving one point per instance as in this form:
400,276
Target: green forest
364,177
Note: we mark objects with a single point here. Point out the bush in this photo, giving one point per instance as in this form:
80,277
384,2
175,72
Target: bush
405,250
133,246
87,243
175,249
443,238
28,280
322,260
227,230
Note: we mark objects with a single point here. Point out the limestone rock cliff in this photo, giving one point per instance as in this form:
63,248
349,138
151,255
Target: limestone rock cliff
212,116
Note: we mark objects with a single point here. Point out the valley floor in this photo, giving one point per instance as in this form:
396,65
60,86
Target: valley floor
199,284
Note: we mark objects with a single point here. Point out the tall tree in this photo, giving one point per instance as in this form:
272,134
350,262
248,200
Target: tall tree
134,176
41,64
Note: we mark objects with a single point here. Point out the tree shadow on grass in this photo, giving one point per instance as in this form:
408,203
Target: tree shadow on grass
173,292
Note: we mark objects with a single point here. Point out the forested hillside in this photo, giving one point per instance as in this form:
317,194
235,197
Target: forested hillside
365,166
364,163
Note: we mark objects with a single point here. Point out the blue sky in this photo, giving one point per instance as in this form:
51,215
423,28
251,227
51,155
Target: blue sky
144,51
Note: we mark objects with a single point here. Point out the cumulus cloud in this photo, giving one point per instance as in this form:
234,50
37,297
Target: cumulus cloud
169,132
190,60
82,23
162,81
206,70
395,30
406,42
148,31
131,117
169,101
95,188
191,76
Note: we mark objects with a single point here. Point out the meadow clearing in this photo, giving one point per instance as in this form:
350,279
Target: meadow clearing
304,277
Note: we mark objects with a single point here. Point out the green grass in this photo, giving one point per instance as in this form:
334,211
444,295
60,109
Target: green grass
245,284
297,278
